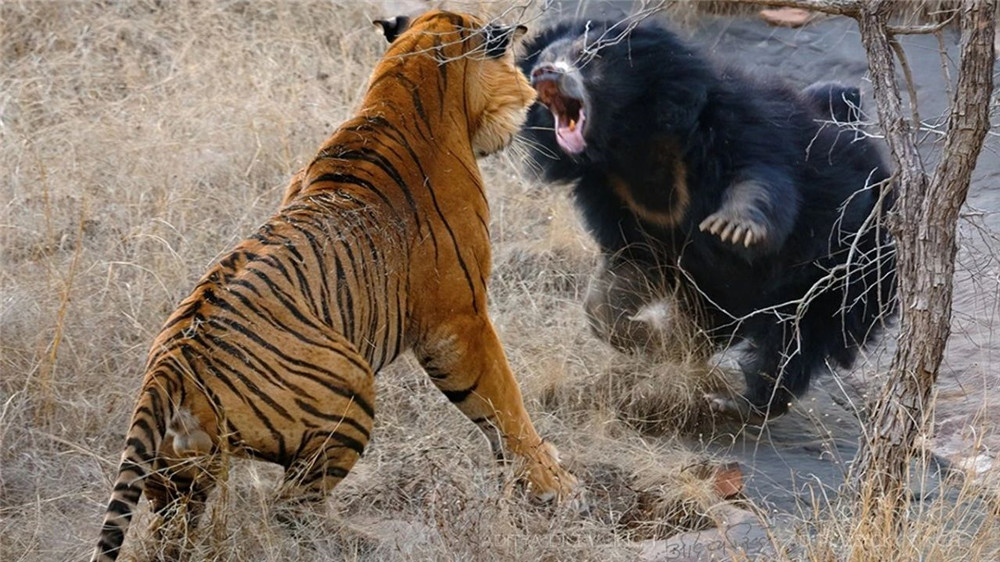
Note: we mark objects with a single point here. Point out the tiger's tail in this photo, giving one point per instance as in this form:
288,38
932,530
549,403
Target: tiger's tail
146,433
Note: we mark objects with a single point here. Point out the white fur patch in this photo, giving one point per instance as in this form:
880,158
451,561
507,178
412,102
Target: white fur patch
656,314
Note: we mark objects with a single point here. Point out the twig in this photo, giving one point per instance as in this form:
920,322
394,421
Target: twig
943,52
920,29
910,89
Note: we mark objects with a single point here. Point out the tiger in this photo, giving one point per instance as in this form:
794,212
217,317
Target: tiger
381,245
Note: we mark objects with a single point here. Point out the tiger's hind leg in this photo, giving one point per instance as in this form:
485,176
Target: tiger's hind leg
309,479
467,363
339,418
177,490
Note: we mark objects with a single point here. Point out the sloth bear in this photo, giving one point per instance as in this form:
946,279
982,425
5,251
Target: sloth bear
743,196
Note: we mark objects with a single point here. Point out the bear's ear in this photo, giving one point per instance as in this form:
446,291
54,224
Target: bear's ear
393,27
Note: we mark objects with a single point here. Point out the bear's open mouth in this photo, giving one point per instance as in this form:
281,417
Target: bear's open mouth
568,112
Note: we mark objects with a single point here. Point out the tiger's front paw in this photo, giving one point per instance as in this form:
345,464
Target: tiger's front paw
549,482
734,227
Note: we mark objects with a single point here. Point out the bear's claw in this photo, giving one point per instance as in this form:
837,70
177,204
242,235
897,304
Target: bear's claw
734,229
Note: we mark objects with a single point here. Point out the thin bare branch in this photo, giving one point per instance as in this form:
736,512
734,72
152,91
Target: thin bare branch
943,53
908,76
921,29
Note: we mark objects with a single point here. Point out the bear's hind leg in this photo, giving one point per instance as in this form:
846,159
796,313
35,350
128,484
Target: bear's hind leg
778,369
618,291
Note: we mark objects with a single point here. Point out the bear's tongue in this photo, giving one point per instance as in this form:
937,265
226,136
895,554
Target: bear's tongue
569,133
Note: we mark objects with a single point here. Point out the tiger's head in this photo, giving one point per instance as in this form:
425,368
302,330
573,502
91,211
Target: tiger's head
494,94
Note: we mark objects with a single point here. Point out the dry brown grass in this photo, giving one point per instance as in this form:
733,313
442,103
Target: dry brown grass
140,140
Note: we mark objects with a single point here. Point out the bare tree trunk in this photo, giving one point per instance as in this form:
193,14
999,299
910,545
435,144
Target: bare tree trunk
924,228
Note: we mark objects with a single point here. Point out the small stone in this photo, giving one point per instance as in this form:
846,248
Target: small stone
729,480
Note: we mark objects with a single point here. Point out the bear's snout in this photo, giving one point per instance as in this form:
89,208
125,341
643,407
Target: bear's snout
545,73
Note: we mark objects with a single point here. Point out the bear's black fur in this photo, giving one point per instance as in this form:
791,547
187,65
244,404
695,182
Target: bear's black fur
743,193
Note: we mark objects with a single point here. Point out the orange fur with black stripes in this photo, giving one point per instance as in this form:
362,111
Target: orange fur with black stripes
381,246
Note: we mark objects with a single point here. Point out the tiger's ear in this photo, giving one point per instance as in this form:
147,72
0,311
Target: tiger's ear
499,38
393,27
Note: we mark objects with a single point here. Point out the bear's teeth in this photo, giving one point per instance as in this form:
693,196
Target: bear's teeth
572,125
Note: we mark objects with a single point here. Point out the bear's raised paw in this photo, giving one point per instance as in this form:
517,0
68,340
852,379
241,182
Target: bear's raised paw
733,227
